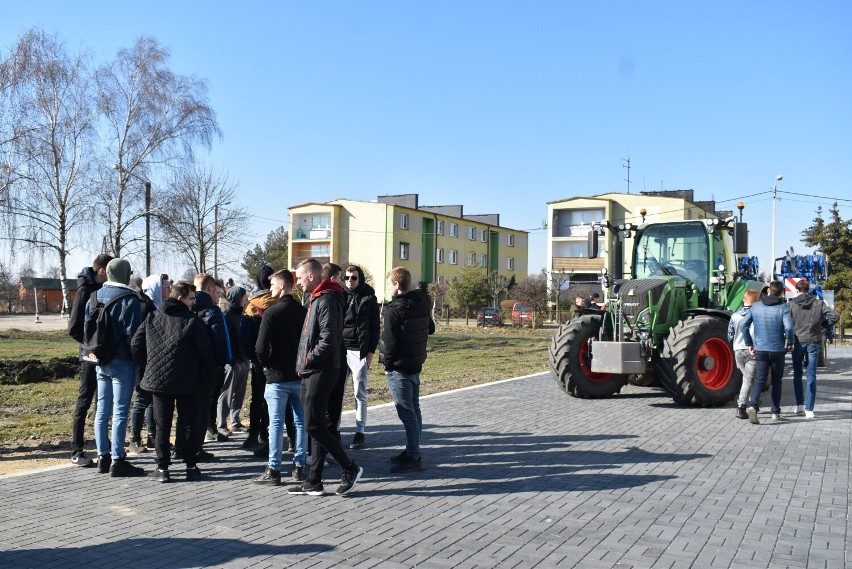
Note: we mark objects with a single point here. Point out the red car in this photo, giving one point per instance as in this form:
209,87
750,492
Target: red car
522,315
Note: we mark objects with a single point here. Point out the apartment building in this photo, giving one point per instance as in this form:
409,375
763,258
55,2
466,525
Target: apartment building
572,219
433,242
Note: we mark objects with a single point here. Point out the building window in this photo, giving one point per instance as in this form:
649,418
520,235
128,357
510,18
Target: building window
404,250
439,255
403,221
320,250
483,260
510,240
440,280
471,258
471,233
439,227
454,257
454,229
483,235
510,263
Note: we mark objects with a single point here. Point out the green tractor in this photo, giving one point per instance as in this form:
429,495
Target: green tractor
667,325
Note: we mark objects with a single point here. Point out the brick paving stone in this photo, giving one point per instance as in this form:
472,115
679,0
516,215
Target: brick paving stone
518,475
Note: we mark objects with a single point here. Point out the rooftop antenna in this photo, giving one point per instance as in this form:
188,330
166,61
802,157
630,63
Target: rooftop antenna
628,172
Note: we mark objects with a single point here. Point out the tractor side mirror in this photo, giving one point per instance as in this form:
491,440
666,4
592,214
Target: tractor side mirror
741,239
593,244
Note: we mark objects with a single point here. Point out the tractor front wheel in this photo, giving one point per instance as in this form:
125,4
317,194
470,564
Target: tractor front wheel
700,363
570,360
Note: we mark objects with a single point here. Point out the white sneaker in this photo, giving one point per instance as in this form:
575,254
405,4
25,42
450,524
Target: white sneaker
800,410
809,414
777,417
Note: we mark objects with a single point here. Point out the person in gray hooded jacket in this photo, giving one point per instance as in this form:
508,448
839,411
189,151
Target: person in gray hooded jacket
810,315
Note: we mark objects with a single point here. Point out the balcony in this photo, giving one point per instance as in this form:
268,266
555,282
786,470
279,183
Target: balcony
577,264
312,234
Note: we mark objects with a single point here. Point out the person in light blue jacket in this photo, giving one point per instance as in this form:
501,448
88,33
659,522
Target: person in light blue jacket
773,338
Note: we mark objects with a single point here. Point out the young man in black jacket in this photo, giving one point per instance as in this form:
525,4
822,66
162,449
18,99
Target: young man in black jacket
276,348
175,350
360,338
318,365
89,280
408,324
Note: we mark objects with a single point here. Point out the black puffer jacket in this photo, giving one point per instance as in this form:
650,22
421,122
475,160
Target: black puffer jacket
215,322
86,285
174,349
278,339
361,325
322,334
408,324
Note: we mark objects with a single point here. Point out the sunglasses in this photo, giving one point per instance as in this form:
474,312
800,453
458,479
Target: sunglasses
352,278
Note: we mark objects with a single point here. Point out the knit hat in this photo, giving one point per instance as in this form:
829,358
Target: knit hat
263,275
118,271
234,295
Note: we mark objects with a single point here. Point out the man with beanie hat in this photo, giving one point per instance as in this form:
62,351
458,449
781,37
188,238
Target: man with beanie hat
89,280
249,329
236,373
116,379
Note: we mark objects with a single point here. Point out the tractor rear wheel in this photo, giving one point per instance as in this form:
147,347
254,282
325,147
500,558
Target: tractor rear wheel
701,368
570,361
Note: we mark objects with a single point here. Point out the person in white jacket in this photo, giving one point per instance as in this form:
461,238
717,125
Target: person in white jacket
742,355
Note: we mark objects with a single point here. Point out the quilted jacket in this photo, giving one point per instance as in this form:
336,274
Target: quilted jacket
174,349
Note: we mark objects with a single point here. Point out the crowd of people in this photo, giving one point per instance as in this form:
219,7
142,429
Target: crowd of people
195,348
763,331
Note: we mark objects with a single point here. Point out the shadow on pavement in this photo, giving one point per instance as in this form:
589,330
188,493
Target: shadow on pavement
163,553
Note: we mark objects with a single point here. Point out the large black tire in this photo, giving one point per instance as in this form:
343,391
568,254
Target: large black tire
569,362
700,366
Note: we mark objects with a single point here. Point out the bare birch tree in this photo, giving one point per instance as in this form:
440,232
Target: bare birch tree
153,116
51,121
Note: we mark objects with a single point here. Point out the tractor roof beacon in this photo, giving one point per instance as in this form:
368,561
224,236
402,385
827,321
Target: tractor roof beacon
666,324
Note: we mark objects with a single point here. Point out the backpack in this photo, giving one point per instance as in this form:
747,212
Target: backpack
98,343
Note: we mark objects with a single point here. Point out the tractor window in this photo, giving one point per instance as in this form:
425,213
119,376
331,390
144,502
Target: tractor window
673,249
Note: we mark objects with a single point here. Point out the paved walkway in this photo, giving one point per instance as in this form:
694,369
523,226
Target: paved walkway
519,475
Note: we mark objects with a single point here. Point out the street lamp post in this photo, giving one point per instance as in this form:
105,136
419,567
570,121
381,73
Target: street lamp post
147,214
774,193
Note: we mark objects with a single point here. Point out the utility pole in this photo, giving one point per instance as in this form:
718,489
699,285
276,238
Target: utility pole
628,172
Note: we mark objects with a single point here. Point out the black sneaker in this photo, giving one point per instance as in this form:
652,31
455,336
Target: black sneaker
104,462
80,459
409,465
262,451
250,443
269,477
121,468
357,441
150,443
398,458
307,489
298,474
193,474
349,480
136,447
204,456
160,475
741,413
177,454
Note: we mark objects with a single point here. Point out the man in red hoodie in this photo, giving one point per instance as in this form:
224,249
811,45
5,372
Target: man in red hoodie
318,364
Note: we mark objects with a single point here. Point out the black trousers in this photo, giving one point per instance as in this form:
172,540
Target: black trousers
317,388
185,437
143,412
258,411
86,393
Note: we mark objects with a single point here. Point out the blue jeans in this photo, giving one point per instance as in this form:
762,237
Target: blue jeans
116,381
764,362
405,390
799,351
277,395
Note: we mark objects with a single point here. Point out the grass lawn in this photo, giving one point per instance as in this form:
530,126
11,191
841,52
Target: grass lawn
39,414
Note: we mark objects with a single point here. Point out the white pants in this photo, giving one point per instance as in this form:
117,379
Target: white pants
359,370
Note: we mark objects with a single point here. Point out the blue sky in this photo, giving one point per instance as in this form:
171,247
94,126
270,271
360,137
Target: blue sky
505,106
